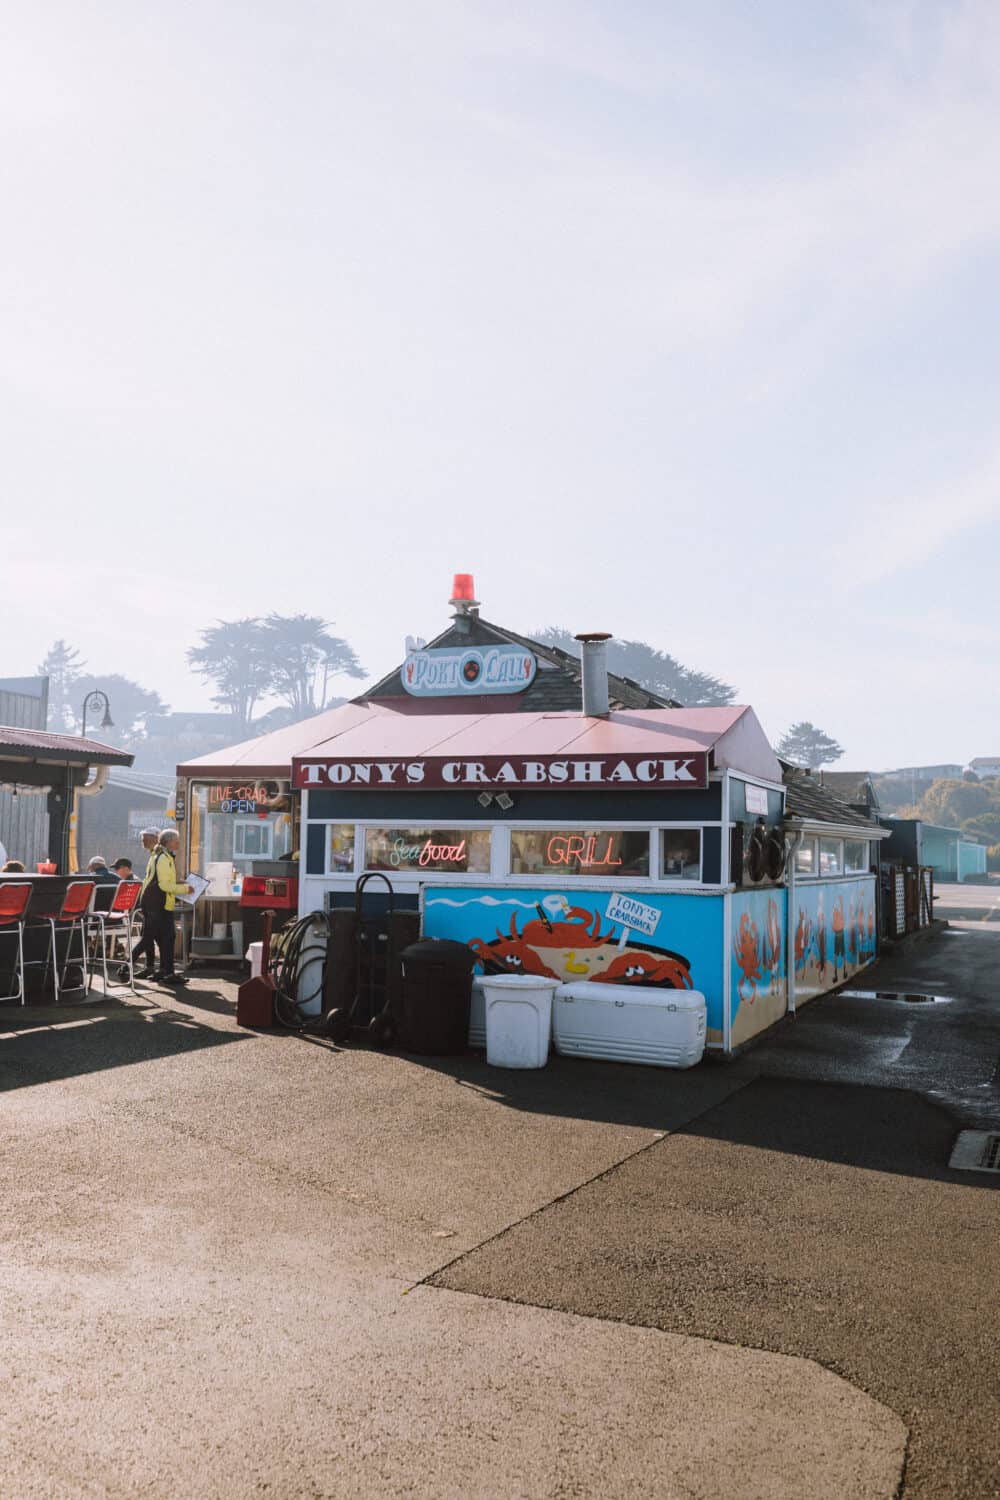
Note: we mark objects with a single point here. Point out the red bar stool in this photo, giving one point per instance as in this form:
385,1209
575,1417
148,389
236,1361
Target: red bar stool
114,923
70,915
15,897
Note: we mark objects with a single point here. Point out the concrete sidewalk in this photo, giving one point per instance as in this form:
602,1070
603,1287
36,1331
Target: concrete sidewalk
213,1250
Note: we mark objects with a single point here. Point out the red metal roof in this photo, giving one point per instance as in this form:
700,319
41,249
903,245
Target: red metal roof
37,744
378,729
664,731
271,754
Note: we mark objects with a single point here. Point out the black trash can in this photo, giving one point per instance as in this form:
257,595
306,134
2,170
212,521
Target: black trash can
433,1006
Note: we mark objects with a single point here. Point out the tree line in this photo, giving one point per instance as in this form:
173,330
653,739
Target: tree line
966,803
290,660
271,670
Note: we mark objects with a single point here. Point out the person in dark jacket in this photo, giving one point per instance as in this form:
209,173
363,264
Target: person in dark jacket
160,890
145,948
98,872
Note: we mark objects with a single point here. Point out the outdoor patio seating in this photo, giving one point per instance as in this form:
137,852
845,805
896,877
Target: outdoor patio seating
15,898
69,917
107,928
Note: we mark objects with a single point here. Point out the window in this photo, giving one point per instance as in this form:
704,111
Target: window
830,859
805,858
252,839
572,851
341,860
230,825
856,854
680,854
459,851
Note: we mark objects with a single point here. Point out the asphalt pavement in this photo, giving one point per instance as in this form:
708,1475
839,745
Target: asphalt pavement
813,1212
253,1264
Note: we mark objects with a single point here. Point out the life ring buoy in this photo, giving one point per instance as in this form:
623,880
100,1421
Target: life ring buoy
775,854
755,855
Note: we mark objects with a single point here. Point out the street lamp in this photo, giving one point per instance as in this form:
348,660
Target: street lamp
107,722
97,696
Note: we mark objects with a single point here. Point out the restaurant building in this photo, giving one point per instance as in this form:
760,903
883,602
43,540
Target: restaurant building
562,821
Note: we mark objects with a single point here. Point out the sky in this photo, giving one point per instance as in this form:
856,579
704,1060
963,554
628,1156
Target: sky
677,320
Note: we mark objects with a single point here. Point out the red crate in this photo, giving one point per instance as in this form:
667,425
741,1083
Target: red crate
275,892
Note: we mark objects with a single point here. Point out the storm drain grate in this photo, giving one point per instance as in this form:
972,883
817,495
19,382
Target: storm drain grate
977,1151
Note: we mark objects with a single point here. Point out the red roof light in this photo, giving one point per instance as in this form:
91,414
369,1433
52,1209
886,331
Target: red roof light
463,589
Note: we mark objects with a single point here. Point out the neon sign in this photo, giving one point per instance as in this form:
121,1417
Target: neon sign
581,849
425,854
239,799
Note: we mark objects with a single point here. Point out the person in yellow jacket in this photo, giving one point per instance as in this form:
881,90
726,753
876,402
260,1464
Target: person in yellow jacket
160,889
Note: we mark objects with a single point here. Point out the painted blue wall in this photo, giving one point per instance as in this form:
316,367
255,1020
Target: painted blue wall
566,933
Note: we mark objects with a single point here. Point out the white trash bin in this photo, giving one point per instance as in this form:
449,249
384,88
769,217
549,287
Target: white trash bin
518,1019
477,1013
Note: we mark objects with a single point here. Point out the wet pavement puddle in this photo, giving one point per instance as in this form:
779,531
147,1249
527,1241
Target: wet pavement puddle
908,997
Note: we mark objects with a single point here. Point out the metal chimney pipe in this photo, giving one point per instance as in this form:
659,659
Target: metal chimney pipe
594,661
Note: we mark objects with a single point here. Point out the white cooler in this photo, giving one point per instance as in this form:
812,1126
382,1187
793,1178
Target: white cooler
629,1023
518,1019
477,1012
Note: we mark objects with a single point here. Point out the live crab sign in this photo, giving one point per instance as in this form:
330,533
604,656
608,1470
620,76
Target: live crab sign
562,773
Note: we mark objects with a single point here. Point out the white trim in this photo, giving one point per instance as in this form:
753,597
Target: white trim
727,978
814,827
725,874
411,879
748,780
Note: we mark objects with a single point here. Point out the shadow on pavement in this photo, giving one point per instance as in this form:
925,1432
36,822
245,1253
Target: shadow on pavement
41,1045
605,1092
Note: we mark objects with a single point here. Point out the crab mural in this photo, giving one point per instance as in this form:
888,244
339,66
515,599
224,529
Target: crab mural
746,951
574,948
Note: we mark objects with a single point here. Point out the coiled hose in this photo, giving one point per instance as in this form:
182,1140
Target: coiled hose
301,944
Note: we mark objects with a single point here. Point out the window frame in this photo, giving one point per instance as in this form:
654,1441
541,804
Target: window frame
812,841
865,866
240,824
822,874
559,829
499,872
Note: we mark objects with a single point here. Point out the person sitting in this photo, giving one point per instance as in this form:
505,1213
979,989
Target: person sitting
122,867
12,867
97,870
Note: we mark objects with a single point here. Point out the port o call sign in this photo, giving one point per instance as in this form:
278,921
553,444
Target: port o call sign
562,773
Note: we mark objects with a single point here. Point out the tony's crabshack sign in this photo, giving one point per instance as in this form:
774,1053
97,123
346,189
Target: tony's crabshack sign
543,772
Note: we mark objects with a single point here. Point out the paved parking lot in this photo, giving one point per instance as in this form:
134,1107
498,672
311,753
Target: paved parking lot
965,904
239,1264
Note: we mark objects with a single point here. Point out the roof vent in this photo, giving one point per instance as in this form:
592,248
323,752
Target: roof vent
594,661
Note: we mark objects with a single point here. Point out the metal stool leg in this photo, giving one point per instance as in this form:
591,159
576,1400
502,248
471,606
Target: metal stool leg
20,994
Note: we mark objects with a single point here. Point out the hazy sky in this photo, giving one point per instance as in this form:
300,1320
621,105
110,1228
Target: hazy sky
674,319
